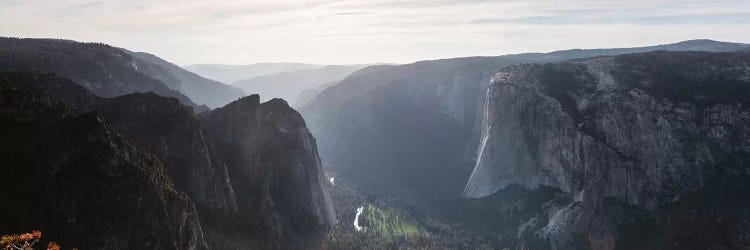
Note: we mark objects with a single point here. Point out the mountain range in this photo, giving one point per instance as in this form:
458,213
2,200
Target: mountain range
415,133
623,148
402,121
112,158
233,73
109,71
279,80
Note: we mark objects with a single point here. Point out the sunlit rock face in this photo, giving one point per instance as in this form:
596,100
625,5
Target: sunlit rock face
650,132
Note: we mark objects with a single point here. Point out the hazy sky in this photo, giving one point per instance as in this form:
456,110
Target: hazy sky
366,31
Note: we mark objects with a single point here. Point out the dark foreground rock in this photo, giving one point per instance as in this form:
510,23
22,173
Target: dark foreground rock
250,169
81,181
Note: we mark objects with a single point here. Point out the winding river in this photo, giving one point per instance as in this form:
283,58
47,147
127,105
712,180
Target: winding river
356,218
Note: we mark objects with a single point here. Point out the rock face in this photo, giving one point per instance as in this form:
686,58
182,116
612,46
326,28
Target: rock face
251,169
273,160
171,131
656,134
83,183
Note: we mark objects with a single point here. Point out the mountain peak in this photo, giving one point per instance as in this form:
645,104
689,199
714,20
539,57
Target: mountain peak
253,99
277,102
701,41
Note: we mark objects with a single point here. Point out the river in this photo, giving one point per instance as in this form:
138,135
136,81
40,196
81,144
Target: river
356,218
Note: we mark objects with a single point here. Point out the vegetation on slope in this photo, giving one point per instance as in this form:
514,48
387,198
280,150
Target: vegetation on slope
387,222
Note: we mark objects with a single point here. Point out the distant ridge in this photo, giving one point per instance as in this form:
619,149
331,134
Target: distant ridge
201,90
231,73
110,71
290,85
102,69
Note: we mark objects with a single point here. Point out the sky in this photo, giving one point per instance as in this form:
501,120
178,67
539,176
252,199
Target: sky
370,31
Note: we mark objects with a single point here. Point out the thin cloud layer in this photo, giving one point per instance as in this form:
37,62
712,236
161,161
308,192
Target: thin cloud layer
363,31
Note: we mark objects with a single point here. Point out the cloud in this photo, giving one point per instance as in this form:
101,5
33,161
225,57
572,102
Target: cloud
568,19
352,13
361,31
729,18
90,4
397,4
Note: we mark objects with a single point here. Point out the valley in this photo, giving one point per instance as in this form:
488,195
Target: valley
636,147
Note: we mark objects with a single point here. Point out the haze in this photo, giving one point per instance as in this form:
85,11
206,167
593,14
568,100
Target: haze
369,31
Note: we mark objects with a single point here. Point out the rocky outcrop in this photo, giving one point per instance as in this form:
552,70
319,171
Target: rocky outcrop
273,160
170,130
79,180
251,169
652,133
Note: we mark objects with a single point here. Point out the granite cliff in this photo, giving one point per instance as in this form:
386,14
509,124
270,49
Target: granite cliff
654,141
